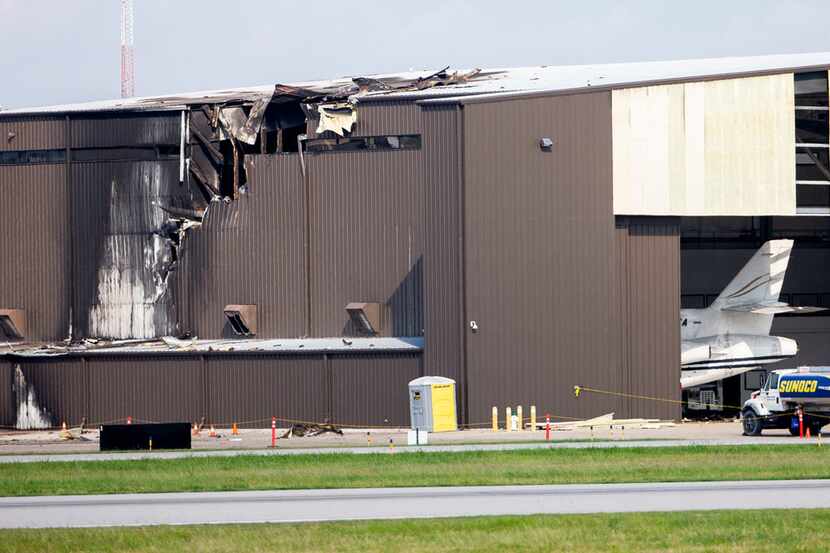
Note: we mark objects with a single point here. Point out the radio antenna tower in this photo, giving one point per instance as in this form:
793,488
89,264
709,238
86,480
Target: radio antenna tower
127,50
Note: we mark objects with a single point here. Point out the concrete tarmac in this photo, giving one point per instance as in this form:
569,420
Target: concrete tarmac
402,503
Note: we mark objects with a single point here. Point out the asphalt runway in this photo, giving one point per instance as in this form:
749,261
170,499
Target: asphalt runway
400,503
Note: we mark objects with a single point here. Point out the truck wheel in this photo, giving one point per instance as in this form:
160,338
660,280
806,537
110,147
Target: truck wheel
752,423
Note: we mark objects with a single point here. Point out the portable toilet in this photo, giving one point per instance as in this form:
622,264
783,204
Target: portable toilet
432,404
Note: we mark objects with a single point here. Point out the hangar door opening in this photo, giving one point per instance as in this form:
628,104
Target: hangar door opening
713,251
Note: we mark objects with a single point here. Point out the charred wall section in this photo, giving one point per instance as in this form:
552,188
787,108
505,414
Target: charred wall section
7,396
123,262
348,389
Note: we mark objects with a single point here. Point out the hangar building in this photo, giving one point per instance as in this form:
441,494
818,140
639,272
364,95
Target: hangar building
304,250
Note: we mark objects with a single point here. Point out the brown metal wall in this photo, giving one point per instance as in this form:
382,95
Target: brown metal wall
250,251
32,133
34,257
648,278
146,129
373,390
155,389
366,238
362,389
539,250
379,118
7,400
444,324
252,389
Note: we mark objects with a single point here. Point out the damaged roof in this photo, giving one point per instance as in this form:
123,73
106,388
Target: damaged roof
170,344
457,84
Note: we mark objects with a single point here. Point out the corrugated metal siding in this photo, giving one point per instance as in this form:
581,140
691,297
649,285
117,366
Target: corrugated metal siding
379,118
32,133
116,249
363,389
126,130
7,397
250,251
373,390
250,390
60,387
539,242
442,226
648,325
149,389
34,253
366,237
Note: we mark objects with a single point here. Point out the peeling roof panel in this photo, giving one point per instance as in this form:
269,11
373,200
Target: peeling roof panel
486,83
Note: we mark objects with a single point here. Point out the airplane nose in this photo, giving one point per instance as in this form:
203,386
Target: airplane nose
788,347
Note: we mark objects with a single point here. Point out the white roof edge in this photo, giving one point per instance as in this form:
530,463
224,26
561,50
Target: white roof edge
490,84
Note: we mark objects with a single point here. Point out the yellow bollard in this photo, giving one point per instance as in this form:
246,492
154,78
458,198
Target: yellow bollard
495,419
508,419
533,418
520,418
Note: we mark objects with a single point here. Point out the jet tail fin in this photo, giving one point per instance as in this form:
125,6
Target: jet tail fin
758,284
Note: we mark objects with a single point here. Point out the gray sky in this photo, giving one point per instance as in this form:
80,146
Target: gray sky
59,51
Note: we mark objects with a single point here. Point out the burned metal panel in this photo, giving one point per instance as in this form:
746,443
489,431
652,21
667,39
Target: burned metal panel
124,129
539,250
441,166
32,133
59,386
648,284
369,390
7,396
34,235
366,243
249,390
146,388
250,251
382,118
124,258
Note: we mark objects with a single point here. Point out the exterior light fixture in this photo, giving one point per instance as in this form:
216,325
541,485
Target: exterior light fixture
546,144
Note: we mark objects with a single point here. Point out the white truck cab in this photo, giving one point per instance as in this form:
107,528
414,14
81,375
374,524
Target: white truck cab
785,393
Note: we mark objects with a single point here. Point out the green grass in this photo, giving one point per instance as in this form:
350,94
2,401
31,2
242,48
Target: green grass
553,466
711,532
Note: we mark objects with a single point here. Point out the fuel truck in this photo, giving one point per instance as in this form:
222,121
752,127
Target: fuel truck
787,395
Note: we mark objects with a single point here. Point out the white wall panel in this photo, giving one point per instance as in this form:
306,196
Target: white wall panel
709,148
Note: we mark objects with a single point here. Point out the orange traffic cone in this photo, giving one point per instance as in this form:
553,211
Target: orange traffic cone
212,433
65,431
808,432
195,429
234,430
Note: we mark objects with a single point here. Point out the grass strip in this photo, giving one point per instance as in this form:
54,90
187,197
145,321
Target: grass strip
711,532
553,466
